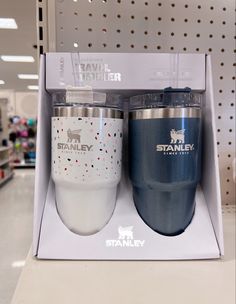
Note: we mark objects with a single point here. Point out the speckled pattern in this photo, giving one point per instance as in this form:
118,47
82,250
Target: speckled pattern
85,149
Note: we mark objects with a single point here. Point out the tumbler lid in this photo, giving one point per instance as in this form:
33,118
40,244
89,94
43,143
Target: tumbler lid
86,97
183,97
168,98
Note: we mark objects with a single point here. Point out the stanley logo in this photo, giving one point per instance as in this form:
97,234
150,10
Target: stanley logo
73,142
177,144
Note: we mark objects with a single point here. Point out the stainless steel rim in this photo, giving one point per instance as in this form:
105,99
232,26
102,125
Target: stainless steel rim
87,112
165,113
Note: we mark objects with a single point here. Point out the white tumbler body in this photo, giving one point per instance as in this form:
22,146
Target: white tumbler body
86,165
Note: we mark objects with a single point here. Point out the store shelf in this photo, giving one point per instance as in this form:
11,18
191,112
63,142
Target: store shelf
3,162
2,149
7,178
179,282
23,164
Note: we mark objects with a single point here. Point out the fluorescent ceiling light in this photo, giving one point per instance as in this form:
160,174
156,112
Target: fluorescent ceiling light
28,76
33,87
17,58
2,82
17,264
8,23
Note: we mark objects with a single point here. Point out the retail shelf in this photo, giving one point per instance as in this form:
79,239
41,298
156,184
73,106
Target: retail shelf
2,149
3,162
23,164
18,166
5,179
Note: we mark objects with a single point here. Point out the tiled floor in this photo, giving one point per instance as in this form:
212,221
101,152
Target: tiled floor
16,210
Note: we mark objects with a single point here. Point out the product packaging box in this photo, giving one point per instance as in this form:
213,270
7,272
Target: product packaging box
126,236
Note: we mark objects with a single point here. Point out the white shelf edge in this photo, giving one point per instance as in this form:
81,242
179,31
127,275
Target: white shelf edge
3,162
2,181
2,149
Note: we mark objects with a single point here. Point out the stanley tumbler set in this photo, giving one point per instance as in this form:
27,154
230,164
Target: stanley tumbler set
164,158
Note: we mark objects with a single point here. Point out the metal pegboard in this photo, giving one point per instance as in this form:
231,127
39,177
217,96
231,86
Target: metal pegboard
200,26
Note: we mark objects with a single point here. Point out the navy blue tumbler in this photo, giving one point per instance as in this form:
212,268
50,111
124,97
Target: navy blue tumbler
165,157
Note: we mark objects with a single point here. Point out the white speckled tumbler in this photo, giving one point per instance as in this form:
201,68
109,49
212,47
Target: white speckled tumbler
86,164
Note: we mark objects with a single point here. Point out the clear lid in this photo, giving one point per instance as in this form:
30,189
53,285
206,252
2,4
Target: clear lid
85,96
169,97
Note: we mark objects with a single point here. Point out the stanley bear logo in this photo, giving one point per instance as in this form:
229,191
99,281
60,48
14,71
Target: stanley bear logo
125,232
177,144
177,136
73,143
73,135
125,238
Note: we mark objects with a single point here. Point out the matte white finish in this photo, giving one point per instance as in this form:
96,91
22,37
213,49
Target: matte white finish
210,175
86,178
138,282
42,169
85,211
2,82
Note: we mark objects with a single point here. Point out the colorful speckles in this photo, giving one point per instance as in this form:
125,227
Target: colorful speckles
75,161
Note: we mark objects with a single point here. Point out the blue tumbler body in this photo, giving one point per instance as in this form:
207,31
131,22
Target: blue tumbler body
165,165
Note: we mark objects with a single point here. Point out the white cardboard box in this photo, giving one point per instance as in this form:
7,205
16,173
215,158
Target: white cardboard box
203,239
125,71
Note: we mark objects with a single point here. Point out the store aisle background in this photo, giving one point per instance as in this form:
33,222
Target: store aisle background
16,220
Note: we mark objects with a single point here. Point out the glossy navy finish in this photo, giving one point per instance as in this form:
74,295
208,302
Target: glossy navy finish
164,182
